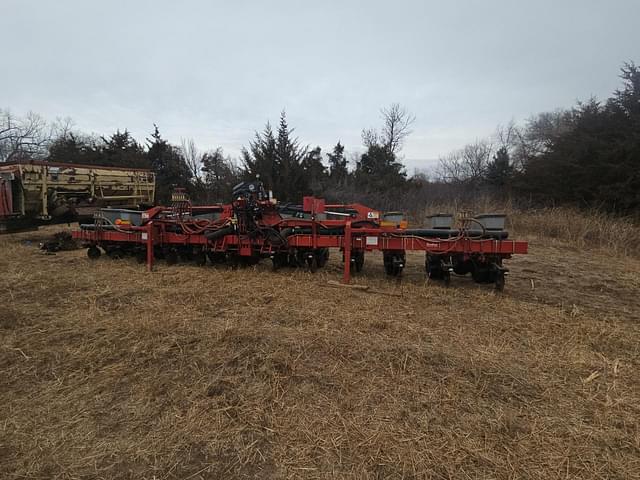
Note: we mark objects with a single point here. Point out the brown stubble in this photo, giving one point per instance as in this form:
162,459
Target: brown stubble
107,371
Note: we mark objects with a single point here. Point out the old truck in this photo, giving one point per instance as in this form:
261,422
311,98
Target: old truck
34,192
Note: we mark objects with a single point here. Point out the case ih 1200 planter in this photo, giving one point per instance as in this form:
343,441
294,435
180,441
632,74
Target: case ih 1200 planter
254,227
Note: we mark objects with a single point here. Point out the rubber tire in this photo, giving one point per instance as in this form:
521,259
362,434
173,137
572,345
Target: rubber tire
280,260
217,257
249,261
312,264
171,257
391,268
200,258
93,252
359,261
186,256
434,271
322,257
482,275
116,254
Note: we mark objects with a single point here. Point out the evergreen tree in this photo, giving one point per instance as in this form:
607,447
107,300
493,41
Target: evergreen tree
118,150
596,162
220,176
378,170
338,165
292,182
315,171
73,148
260,159
122,150
169,166
499,170
626,101
278,162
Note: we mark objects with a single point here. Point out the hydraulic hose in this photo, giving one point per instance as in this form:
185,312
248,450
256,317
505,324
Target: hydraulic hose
214,235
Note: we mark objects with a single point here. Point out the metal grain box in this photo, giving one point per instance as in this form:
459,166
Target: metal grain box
120,216
442,221
492,221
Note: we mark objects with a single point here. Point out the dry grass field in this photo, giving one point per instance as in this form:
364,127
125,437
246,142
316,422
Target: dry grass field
107,371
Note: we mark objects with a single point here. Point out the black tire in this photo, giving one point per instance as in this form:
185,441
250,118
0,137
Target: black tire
393,270
433,267
481,274
249,261
434,270
462,268
300,258
312,264
93,252
171,257
141,256
392,264
200,258
217,257
186,256
322,257
358,261
388,269
500,281
233,260
115,254
435,274
280,260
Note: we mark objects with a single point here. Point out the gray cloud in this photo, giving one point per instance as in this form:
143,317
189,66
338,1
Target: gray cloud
217,71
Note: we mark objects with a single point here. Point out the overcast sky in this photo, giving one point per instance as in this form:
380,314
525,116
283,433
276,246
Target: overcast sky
216,71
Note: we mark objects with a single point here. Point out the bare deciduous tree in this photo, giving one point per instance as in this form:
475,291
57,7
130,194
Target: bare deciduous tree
466,166
192,157
536,137
396,128
506,136
23,137
63,128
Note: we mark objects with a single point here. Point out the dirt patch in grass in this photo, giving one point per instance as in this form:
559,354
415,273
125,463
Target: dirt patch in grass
107,371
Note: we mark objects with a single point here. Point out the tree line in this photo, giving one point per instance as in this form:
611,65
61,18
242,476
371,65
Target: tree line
278,158
586,156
